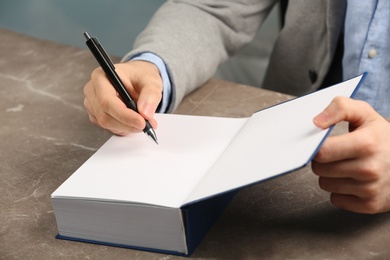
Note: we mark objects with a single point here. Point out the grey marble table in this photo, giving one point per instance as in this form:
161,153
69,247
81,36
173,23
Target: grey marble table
45,136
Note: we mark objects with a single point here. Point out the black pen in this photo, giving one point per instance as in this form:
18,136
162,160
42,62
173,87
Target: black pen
108,67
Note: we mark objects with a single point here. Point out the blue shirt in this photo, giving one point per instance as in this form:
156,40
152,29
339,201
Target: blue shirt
367,49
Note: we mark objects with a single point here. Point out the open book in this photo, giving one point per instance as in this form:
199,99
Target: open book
134,193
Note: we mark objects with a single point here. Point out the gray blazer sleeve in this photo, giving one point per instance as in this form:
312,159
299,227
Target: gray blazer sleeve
194,37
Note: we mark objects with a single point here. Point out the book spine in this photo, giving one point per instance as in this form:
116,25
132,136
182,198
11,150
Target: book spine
200,216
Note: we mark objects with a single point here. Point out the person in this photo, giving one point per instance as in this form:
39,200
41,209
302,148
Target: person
186,40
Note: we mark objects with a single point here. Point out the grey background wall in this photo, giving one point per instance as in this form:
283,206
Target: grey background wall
116,23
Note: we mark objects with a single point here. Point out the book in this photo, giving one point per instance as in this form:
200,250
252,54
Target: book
164,198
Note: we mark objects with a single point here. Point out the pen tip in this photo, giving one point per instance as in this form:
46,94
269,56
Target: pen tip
154,138
152,135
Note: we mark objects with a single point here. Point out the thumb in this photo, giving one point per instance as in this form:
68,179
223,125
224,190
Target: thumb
148,101
143,80
149,84
344,109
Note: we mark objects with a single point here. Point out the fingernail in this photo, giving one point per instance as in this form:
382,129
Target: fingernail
321,118
148,111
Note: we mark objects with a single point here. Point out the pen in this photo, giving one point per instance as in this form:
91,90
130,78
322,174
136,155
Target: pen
108,67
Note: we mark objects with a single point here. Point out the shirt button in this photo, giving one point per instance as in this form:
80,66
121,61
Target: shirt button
372,53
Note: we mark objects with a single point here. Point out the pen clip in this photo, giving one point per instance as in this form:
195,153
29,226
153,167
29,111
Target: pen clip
104,53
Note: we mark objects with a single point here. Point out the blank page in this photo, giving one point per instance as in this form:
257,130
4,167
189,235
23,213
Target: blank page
274,141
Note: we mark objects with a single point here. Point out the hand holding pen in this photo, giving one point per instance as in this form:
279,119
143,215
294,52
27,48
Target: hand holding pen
106,109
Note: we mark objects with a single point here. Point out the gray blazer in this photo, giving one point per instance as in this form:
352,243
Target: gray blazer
194,37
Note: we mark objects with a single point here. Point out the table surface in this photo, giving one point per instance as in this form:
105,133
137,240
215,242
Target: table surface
45,135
